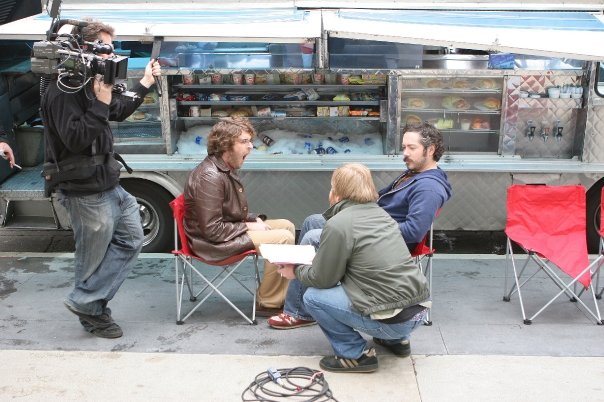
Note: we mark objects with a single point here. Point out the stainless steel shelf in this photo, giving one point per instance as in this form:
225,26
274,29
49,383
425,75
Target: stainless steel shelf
445,91
477,131
549,103
276,87
453,111
361,118
279,103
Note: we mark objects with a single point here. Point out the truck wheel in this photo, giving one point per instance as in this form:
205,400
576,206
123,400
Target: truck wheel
156,215
593,217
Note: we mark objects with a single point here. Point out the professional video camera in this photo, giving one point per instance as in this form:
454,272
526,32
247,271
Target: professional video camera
71,58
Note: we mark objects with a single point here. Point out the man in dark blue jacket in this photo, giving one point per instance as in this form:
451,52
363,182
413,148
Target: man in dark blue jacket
412,200
416,195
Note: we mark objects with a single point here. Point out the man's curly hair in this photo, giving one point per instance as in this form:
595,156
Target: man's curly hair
225,132
428,135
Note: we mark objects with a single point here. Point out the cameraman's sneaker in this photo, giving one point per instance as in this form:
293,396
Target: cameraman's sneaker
367,363
101,325
401,349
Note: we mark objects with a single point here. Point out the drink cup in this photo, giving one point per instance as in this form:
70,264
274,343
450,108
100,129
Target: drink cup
465,124
237,78
553,92
205,79
330,78
194,111
250,79
317,78
216,78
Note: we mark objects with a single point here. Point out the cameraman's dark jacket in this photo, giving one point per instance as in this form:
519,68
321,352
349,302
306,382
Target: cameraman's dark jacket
78,138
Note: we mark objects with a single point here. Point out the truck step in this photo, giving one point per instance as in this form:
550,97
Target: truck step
30,222
24,205
27,184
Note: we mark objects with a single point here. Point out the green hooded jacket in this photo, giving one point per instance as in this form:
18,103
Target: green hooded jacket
362,247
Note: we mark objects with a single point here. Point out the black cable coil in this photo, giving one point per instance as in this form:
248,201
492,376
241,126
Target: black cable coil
296,384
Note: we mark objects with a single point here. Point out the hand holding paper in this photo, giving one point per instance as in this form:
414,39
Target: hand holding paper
282,254
287,271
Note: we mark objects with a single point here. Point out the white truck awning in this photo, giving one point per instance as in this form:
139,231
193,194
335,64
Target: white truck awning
574,35
280,25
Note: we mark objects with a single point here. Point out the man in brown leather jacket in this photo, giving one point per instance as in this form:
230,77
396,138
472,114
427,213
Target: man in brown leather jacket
217,220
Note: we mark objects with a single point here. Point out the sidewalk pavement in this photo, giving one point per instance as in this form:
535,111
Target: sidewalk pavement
476,350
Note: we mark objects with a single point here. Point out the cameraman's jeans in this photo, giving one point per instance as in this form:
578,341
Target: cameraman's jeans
108,238
310,233
340,321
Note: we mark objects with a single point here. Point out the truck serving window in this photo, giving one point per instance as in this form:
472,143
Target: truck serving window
235,55
358,53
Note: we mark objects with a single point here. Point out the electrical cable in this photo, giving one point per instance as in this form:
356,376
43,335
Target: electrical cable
297,384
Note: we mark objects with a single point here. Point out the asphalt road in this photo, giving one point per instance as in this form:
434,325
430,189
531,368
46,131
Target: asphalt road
451,242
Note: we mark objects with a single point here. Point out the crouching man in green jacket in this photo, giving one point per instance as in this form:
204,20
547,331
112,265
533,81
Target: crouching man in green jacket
362,278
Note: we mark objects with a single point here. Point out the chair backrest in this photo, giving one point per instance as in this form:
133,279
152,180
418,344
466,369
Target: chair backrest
550,220
178,211
602,213
425,246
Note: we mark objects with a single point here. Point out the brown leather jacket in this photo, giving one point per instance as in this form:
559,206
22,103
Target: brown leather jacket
216,211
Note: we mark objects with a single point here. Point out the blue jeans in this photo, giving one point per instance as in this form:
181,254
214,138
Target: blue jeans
311,222
310,233
108,238
341,322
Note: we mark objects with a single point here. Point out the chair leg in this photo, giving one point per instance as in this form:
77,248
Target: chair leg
599,295
179,281
566,288
516,286
219,293
188,277
256,286
428,274
212,287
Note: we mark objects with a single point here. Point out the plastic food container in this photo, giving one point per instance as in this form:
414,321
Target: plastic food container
553,92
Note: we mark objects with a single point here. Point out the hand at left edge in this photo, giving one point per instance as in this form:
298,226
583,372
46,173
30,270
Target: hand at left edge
7,153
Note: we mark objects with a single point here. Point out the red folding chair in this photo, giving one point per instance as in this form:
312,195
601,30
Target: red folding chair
185,267
601,231
423,253
548,223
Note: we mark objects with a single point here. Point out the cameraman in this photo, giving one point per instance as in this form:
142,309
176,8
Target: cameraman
81,168
5,150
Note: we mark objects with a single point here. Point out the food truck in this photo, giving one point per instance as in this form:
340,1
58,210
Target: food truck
516,90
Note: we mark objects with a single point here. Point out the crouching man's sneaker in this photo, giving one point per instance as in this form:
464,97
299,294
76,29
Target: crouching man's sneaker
401,349
367,363
101,325
286,321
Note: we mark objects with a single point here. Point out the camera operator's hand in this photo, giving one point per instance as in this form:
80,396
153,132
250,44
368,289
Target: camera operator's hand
102,91
152,68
